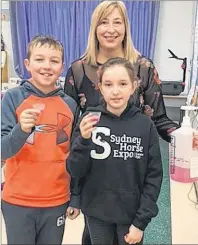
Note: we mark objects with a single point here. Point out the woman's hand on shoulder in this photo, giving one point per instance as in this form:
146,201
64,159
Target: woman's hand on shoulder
82,100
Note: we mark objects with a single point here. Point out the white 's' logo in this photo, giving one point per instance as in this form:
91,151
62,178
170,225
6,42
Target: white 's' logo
127,146
100,142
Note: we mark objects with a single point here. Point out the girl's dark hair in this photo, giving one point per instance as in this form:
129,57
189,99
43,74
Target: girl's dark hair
117,61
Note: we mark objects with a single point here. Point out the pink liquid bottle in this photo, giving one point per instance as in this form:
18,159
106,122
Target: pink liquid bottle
183,151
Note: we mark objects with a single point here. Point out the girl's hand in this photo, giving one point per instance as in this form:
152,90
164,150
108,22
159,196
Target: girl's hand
134,236
87,125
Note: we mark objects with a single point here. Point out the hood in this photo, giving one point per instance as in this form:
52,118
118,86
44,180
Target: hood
131,110
31,88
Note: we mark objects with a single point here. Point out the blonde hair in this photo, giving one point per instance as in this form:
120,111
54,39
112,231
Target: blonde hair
102,11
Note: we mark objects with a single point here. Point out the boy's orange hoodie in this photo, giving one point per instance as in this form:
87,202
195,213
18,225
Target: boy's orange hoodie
36,173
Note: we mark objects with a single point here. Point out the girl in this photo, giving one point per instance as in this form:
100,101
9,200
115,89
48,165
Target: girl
119,157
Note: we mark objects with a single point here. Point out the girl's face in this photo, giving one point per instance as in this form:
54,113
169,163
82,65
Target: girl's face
116,88
110,32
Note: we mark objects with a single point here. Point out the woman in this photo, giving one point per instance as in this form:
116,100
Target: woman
110,37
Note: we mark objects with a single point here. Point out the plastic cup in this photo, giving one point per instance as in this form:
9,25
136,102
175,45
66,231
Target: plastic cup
96,113
39,106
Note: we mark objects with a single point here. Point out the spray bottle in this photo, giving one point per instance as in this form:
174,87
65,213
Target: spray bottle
183,151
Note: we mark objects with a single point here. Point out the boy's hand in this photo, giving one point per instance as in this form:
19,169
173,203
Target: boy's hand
72,213
87,125
28,119
134,236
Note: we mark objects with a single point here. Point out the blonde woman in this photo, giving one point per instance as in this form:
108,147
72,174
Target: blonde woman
110,37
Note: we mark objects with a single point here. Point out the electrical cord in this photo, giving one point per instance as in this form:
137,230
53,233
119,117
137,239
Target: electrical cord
189,198
193,119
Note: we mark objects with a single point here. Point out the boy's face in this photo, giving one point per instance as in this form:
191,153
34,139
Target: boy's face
45,66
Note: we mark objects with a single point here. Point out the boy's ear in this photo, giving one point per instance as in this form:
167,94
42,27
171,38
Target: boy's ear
26,63
63,66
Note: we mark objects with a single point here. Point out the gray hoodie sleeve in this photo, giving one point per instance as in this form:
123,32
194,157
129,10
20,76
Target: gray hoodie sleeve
12,136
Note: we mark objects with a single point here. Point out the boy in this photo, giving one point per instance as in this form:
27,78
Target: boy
37,122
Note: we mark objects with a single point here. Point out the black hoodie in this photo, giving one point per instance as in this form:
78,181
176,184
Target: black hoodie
122,168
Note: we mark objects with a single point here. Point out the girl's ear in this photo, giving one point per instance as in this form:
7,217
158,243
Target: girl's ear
135,86
63,66
100,87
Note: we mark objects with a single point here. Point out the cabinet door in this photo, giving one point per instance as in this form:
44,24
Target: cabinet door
4,67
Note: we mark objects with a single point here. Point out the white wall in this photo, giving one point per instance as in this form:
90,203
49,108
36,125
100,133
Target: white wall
8,43
174,32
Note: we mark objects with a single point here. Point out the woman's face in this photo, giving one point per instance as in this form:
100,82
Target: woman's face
110,31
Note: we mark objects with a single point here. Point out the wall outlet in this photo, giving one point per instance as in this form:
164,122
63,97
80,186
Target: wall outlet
14,80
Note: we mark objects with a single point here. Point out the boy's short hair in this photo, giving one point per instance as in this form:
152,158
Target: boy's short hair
43,40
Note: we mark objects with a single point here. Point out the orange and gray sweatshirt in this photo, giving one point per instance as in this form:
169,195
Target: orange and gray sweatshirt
35,163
